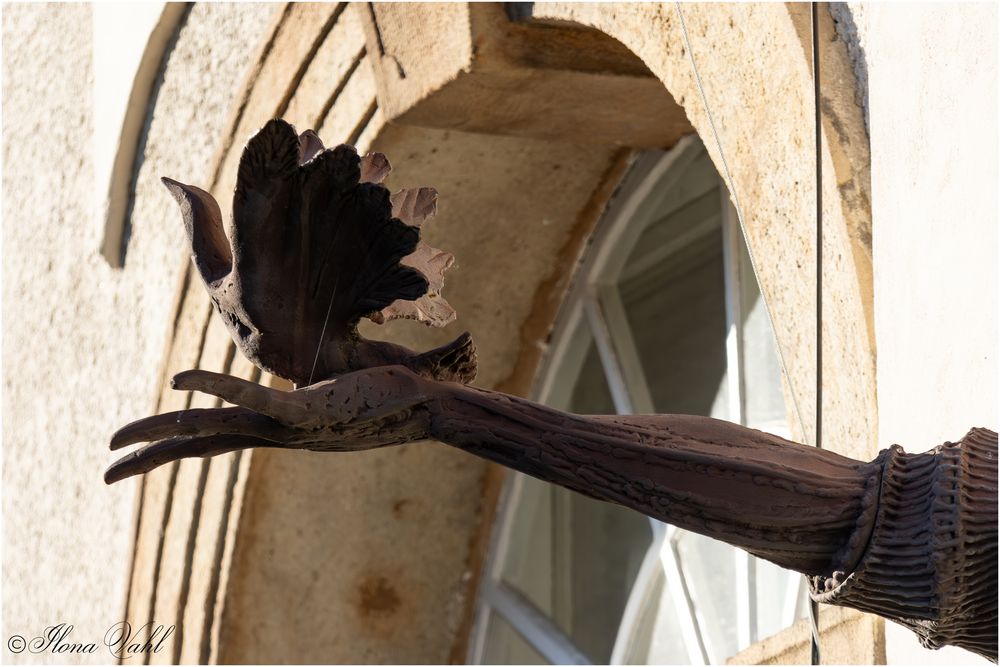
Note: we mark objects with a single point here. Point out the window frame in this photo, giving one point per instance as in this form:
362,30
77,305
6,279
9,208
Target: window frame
593,302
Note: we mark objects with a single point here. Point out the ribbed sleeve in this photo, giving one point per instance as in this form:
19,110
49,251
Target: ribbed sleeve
931,558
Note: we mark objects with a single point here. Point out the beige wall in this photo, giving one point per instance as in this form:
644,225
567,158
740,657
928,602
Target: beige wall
932,70
99,335
82,342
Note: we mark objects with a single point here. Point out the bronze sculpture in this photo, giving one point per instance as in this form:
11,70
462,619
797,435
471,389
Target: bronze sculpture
290,279
318,243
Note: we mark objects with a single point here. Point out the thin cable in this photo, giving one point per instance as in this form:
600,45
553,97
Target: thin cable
739,215
329,309
819,226
319,345
813,605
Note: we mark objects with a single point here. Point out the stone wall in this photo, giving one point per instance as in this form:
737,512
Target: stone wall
82,342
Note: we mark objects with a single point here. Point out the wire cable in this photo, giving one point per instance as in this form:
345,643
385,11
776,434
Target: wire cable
817,113
817,439
739,215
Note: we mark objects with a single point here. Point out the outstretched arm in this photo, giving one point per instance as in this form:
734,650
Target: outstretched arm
911,537
794,505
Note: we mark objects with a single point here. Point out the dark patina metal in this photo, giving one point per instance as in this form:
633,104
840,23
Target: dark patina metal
319,243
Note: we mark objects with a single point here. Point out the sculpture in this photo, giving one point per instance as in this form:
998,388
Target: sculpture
912,537
292,286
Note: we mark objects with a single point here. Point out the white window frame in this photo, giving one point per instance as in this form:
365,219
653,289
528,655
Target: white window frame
594,298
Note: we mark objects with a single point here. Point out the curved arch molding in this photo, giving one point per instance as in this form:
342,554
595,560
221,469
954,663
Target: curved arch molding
130,43
755,63
526,128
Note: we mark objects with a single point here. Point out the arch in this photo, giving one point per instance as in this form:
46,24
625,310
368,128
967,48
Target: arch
239,547
131,43
294,538
764,115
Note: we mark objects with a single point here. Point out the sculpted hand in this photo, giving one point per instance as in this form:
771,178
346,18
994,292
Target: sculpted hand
317,244
370,408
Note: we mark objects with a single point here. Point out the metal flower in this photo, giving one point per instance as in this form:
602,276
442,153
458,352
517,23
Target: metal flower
318,243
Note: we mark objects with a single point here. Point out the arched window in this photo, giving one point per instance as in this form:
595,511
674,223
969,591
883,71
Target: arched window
665,317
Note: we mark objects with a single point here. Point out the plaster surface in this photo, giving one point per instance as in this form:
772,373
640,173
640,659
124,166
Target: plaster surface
369,554
933,98
71,319
82,342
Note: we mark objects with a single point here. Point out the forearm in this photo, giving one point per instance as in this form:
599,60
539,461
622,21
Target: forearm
911,537
791,504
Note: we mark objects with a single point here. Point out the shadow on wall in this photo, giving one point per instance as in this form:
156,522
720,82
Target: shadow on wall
846,19
128,79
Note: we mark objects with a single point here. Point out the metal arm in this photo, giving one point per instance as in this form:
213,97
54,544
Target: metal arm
911,537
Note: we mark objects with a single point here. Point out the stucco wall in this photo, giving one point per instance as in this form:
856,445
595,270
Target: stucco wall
933,111
927,80
82,342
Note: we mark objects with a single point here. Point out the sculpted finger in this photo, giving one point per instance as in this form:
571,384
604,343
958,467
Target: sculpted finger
156,454
199,421
271,402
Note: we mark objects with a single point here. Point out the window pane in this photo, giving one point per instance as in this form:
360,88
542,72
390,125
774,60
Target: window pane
780,598
504,646
657,639
576,558
676,311
708,569
530,557
606,545
763,399
591,395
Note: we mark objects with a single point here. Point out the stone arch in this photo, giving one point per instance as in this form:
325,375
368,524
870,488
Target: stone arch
238,548
755,64
756,67
362,552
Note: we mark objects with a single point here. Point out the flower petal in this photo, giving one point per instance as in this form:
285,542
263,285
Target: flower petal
431,308
414,206
374,168
309,146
